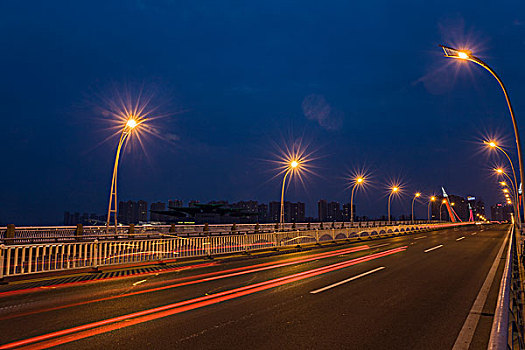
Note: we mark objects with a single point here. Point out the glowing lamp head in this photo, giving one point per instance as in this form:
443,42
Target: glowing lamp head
462,55
503,183
499,171
131,123
395,189
418,194
443,201
294,164
360,180
505,190
492,144
432,199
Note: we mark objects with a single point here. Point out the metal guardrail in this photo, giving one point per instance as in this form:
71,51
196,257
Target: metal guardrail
37,258
507,327
36,234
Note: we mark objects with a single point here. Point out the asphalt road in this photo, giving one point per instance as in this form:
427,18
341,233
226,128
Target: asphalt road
406,292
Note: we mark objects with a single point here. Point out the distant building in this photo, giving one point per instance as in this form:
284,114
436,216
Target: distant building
333,212
296,212
501,212
73,219
346,212
191,204
175,203
274,211
131,212
262,210
293,212
322,210
160,206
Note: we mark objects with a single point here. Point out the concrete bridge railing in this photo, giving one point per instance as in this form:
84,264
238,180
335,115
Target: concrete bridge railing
24,259
36,234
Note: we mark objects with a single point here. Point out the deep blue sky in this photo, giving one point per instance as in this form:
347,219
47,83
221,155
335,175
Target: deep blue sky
363,83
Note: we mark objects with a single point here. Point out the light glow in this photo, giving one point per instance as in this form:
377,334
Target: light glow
462,55
132,123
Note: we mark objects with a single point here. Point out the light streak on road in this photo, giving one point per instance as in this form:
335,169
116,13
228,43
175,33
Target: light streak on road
87,330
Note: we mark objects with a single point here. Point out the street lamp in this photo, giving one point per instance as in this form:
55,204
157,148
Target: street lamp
294,165
501,171
432,199
467,56
441,205
417,195
357,182
130,124
393,189
494,145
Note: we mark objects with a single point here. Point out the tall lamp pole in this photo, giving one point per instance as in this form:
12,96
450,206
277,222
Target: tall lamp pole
358,181
293,165
432,199
466,55
131,124
393,190
417,195
441,205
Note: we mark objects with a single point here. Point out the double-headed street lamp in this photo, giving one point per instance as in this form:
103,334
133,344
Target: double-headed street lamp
358,181
393,190
432,199
467,56
131,124
416,195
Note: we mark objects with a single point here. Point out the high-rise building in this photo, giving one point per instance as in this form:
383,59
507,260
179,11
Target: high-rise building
346,212
322,210
274,211
191,204
131,212
501,212
175,203
262,210
333,212
157,206
296,212
293,212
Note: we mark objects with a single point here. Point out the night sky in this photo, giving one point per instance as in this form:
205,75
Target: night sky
362,83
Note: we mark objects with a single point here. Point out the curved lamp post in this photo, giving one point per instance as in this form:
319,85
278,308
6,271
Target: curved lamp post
494,145
357,182
130,125
293,165
394,189
440,206
467,56
417,195
432,199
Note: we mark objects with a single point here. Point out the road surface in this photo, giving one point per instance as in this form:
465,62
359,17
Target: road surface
407,292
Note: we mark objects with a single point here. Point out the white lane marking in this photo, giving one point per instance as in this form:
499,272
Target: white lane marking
346,281
139,282
431,249
380,245
475,233
460,238
420,237
469,327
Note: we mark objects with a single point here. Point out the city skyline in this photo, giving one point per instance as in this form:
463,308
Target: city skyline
135,211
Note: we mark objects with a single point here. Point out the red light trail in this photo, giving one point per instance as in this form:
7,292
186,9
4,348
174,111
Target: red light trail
104,326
